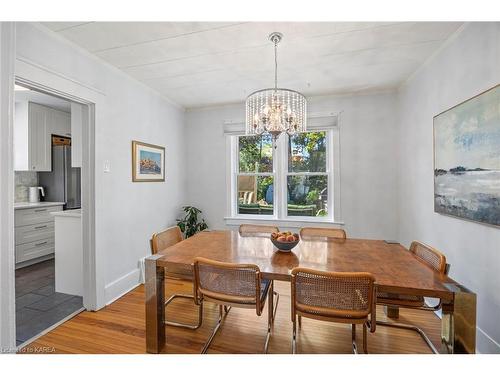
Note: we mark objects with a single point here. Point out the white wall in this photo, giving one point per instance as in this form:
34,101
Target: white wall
468,65
126,213
368,165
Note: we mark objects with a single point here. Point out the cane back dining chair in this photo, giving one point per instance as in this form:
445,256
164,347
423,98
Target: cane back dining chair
161,241
233,285
251,229
315,232
323,232
342,297
431,258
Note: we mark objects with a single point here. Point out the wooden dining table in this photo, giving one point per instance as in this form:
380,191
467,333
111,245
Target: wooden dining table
396,270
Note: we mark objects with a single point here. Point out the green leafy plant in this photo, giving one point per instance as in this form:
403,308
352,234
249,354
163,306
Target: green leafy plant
312,197
190,224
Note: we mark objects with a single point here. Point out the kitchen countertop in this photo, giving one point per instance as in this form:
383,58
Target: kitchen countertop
68,213
24,205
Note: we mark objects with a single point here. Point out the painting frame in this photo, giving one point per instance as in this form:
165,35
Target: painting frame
152,175
437,169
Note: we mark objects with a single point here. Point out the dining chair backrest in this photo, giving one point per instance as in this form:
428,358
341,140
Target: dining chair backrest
166,238
230,283
347,295
430,256
255,229
323,232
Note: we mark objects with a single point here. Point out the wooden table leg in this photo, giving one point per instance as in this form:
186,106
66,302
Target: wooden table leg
391,312
155,309
458,323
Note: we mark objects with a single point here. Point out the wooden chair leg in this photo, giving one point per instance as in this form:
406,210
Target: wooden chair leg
300,321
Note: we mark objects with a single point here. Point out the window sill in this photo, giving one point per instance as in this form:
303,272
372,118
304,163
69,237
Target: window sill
287,223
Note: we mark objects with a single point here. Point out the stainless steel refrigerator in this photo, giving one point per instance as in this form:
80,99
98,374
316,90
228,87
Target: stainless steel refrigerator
63,183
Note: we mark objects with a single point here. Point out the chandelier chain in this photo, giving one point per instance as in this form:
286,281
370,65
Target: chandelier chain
275,64
275,111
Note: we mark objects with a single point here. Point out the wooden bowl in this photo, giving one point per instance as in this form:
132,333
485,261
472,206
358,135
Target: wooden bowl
285,247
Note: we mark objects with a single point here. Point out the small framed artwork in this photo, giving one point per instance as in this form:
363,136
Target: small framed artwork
148,162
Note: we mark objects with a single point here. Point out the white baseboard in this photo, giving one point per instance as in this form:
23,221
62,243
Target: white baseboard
121,286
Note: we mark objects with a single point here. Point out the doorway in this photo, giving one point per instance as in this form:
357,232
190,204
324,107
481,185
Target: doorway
47,211
53,199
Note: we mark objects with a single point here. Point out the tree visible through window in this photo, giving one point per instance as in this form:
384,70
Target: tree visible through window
307,180
256,175
261,183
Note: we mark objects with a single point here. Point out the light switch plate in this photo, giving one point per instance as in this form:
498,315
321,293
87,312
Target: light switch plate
107,166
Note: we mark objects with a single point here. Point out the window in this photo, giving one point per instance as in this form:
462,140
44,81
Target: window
307,177
291,182
255,175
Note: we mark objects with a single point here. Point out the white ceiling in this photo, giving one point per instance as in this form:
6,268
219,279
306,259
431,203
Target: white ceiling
207,63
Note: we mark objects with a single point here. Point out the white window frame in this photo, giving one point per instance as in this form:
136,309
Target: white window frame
280,216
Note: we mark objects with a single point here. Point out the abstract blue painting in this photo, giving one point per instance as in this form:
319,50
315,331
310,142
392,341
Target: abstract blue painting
467,159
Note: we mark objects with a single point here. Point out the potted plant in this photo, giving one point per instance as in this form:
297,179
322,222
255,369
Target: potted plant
190,224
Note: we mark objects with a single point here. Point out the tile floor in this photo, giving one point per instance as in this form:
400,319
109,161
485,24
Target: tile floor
38,305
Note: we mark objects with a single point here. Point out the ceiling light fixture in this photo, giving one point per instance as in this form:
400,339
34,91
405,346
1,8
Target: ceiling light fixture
275,110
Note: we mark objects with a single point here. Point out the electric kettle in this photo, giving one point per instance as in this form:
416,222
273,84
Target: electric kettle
34,195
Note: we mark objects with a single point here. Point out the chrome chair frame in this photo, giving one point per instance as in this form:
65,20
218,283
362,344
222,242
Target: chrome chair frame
154,250
225,307
425,307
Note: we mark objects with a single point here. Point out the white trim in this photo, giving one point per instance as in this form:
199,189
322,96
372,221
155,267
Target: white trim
122,286
288,223
7,261
315,121
337,169
280,214
51,71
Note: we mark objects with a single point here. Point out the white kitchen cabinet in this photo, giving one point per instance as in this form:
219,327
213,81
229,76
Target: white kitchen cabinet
40,148
68,252
60,123
34,125
34,232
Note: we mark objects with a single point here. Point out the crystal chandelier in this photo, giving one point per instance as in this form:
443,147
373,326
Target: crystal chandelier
275,110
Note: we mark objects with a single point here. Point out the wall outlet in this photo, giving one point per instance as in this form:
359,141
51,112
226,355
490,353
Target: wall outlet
107,166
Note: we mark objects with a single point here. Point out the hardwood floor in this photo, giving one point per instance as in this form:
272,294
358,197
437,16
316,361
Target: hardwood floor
120,328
